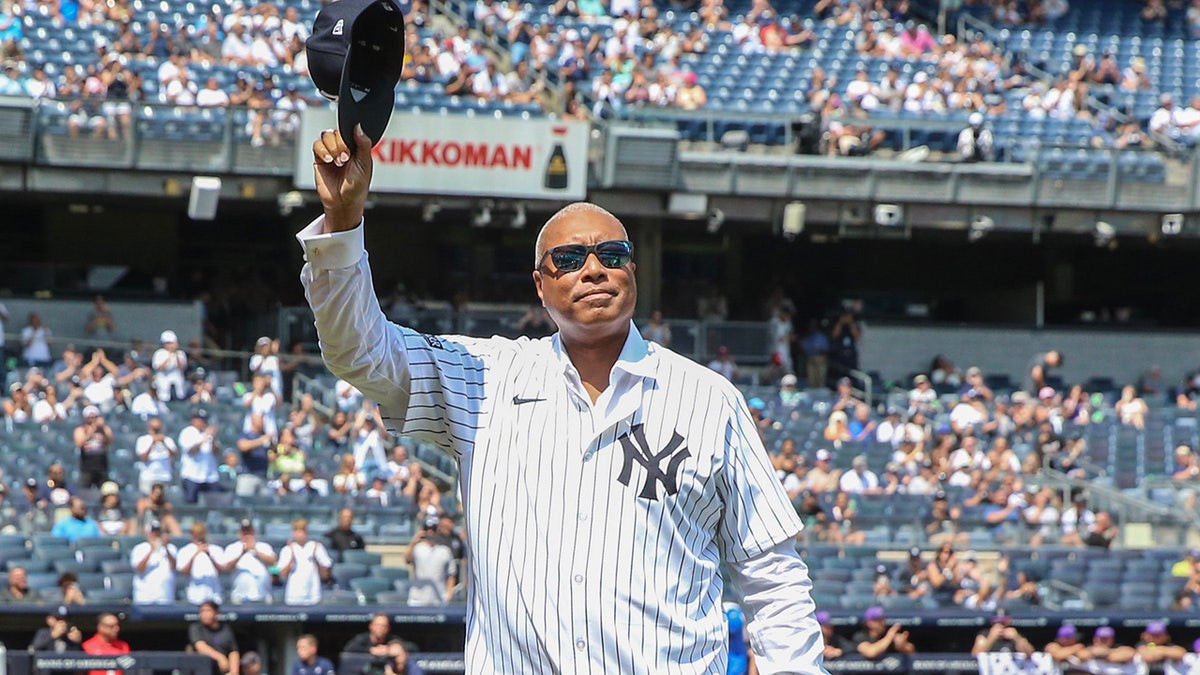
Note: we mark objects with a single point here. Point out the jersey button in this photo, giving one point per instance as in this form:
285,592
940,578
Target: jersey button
579,578
580,645
583,516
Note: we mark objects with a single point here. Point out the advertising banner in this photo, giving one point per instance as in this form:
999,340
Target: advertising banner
465,155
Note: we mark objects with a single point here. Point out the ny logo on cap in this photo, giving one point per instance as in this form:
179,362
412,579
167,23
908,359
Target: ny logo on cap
339,27
638,450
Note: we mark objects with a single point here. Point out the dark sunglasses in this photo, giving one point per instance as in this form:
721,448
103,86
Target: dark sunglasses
571,257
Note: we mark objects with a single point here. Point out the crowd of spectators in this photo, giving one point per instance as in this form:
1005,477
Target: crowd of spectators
276,450
604,55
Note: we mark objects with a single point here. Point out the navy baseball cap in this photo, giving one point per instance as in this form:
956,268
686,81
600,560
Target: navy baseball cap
355,56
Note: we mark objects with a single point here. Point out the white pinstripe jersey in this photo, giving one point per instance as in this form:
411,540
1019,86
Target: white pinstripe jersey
595,532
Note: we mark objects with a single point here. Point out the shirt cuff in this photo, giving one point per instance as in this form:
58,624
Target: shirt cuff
332,251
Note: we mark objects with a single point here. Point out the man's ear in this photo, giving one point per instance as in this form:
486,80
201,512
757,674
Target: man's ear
537,284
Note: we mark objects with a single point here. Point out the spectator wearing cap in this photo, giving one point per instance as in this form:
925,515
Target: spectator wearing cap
251,560
153,563
891,429
1076,518
836,645
845,398
256,446
1189,566
1155,646
157,453
859,479
17,407
1104,650
1066,648
877,639
435,572
823,477
92,439
265,362
77,523
111,517
252,664
210,637
975,142
969,414
789,395
58,636
198,457
1001,637
169,364
922,396
201,390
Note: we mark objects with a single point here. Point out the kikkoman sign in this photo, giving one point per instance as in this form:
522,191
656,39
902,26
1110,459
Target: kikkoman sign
470,156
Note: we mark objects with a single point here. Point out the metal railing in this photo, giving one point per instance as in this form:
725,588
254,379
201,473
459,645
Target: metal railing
1125,508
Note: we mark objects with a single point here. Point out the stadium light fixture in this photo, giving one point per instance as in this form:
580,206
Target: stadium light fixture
430,211
716,218
483,217
1104,234
979,229
1172,224
519,219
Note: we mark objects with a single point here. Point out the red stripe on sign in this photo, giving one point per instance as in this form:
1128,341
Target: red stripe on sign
558,131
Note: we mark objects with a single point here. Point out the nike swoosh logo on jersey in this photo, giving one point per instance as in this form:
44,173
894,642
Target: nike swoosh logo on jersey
517,400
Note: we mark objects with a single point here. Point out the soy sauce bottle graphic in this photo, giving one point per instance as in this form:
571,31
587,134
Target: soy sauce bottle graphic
556,169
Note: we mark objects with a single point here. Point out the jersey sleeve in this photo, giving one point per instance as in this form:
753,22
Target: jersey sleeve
426,386
757,514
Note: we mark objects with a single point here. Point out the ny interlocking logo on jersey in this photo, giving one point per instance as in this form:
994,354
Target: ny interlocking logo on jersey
638,450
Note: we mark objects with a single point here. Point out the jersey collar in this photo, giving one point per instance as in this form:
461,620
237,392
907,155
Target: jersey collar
635,358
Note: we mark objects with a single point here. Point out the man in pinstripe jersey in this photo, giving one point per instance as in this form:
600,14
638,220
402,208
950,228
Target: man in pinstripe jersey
605,478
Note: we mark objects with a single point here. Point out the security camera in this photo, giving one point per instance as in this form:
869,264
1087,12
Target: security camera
716,218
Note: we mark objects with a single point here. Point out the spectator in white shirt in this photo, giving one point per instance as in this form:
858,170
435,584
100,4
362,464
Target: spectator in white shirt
305,563
157,452
181,90
212,96
47,408
260,399
860,479
198,457
203,563
251,560
236,47
154,568
265,361
169,363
